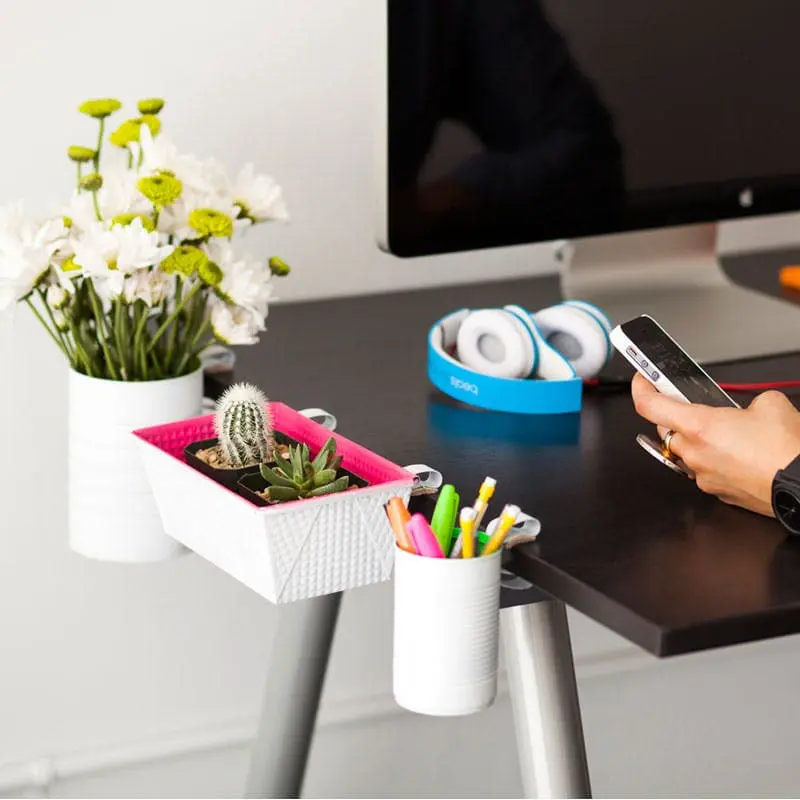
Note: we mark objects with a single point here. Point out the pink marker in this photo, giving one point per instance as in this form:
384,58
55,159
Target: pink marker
425,541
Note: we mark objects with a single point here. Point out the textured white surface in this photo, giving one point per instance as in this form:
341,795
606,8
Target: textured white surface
112,513
446,620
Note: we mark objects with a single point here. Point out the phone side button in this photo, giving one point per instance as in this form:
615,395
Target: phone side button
654,375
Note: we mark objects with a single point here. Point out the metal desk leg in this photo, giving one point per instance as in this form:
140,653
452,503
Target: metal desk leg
291,697
544,696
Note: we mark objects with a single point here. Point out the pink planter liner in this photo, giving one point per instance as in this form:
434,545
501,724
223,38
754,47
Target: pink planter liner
288,551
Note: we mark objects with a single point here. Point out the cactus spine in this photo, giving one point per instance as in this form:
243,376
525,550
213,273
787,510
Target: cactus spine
244,426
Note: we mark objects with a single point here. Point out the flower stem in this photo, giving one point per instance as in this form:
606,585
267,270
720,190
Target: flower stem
96,159
80,352
130,158
96,206
139,349
99,323
64,341
156,214
78,165
45,325
178,308
191,348
118,311
174,328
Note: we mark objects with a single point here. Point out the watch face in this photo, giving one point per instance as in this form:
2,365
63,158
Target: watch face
787,509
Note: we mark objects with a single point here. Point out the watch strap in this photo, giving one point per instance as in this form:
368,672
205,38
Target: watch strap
786,496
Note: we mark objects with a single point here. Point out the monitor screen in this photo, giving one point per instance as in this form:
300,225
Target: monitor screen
516,121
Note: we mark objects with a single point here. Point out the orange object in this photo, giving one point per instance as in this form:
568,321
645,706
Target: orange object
398,517
790,277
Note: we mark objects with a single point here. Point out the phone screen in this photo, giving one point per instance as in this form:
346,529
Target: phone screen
667,357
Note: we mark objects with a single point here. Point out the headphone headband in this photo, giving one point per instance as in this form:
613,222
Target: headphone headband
517,395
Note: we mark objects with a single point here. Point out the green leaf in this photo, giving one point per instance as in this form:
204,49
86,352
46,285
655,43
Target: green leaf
305,454
297,463
339,485
281,464
274,478
321,459
336,463
324,477
283,493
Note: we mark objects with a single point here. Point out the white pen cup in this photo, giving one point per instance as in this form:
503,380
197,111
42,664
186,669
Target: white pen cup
446,621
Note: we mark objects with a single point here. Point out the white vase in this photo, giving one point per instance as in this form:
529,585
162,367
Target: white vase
112,513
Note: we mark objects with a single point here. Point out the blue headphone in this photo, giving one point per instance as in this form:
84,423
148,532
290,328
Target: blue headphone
507,359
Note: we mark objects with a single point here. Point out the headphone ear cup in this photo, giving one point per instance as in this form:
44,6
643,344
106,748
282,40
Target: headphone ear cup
495,342
595,311
551,366
578,335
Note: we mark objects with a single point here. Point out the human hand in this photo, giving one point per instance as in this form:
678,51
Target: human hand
733,452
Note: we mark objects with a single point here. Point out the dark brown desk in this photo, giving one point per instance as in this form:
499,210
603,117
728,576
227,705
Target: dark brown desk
624,541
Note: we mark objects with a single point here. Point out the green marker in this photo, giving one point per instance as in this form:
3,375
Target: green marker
445,515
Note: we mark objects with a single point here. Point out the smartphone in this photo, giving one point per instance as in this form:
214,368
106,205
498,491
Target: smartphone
658,357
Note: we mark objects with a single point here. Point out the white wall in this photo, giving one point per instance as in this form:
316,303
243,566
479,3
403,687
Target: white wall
145,681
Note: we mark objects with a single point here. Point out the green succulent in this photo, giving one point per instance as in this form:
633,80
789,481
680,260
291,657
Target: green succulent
298,475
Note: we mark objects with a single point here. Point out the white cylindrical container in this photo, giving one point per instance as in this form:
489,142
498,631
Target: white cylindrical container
112,513
446,620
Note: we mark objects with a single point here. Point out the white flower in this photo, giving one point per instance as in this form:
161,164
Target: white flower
57,296
152,286
26,249
245,279
175,219
101,249
259,196
110,254
160,153
61,320
234,325
118,195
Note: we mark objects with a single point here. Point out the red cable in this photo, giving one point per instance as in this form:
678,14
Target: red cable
758,387
727,387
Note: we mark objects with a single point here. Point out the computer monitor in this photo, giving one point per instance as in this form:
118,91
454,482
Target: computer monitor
621,131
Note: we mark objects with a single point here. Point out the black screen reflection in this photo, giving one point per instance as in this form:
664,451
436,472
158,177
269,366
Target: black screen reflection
537,147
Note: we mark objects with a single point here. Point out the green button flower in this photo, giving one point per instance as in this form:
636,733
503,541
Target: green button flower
99,109
211,274
210,222
278,266
80,154
187,260
160,189
130,130
150,105
92,182
126,219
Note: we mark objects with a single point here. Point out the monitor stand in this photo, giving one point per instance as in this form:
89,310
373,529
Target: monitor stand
674,275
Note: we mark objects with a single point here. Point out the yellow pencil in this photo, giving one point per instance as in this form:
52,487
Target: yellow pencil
484,496
507,520
467,522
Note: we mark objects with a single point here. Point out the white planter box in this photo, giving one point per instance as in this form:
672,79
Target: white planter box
289,551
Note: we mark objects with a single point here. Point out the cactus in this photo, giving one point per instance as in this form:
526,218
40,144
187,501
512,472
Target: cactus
298,476
243,425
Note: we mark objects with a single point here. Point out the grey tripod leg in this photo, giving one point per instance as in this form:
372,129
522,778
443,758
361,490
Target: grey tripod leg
291,696
544,696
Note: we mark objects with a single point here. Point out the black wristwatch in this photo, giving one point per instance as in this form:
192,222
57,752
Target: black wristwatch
786,496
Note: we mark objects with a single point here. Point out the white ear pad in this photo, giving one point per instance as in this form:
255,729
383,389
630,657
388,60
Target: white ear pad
496,342
592,309
578,335
551,366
